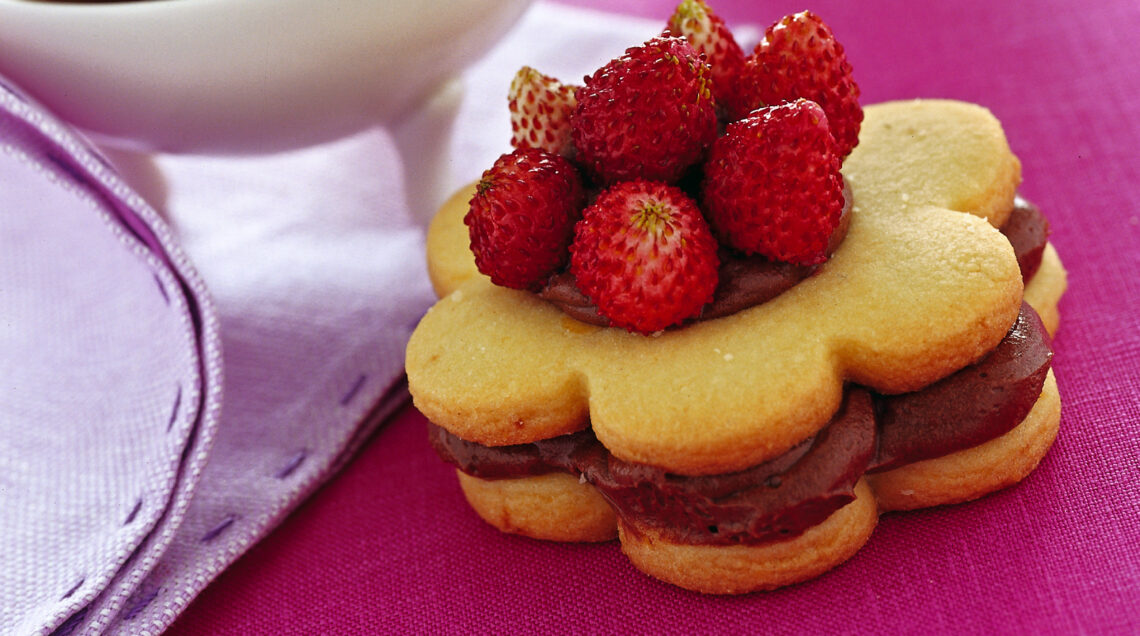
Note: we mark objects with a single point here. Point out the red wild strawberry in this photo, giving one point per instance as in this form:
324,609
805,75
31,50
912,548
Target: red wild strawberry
649,114
772,184
644,255
706,31
799,57
521,219
540,112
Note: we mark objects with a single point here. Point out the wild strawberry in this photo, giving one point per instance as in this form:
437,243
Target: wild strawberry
644,256
707,33
521,219
800,57
646,115
540,112
772,184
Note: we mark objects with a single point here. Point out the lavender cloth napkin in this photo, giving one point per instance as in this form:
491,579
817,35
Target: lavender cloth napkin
111,358
111,378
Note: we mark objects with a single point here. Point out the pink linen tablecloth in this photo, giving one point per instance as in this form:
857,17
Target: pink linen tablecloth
390,546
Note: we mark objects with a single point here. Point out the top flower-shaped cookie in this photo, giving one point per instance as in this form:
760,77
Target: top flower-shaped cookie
922,285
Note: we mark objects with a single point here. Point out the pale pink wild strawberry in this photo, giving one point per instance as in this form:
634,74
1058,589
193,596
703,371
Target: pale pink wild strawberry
540,112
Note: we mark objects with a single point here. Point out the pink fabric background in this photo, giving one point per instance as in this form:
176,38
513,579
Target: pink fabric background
390,546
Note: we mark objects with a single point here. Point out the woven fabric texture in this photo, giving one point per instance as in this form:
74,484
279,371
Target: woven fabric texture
391,547
113,519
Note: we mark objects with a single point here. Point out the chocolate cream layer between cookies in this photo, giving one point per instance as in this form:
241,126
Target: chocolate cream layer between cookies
783,497
747,281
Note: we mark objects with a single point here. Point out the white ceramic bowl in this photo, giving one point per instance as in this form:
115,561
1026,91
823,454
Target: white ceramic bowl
226,76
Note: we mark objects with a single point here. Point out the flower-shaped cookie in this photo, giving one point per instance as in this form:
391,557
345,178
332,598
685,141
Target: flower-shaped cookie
922,285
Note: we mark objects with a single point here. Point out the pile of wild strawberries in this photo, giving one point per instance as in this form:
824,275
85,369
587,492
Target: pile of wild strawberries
679,148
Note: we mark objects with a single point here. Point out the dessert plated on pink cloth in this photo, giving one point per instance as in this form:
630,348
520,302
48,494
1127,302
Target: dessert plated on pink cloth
1055,554
608,358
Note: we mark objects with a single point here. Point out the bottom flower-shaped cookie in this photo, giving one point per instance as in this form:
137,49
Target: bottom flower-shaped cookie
561,506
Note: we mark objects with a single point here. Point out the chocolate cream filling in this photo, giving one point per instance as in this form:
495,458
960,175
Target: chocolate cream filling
748,280
743,281
974,405
777,499
783,497
1028,232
